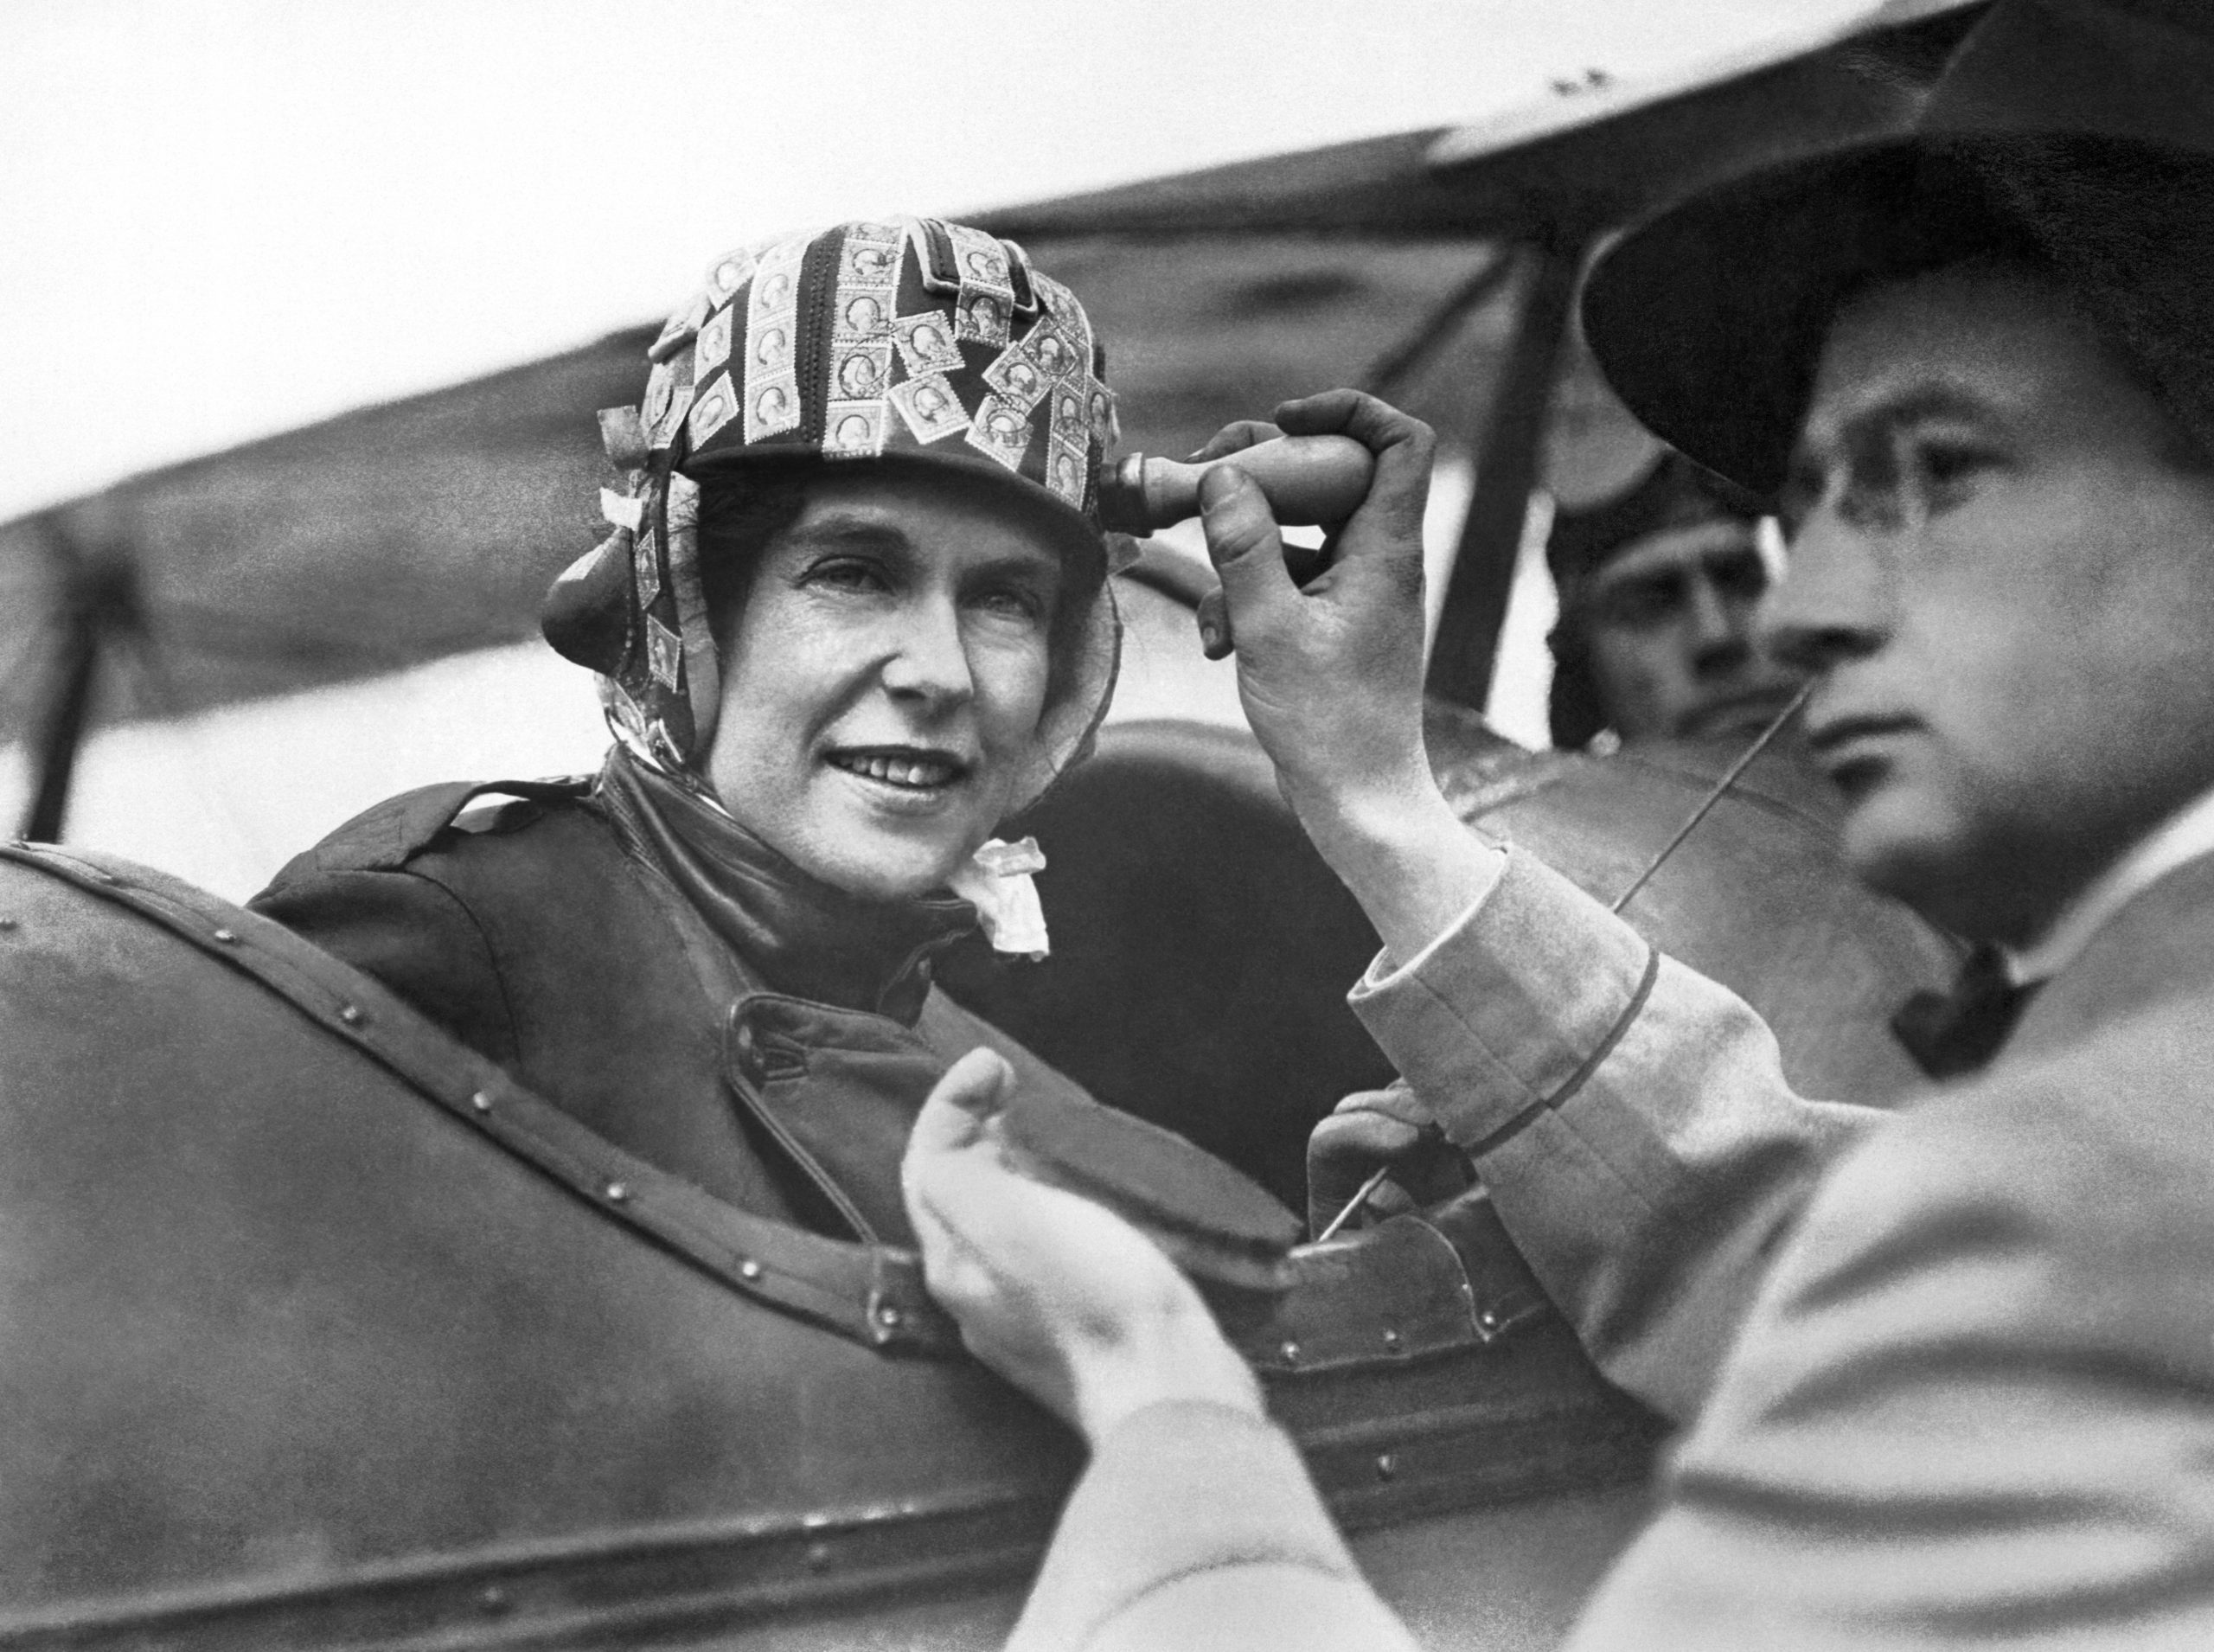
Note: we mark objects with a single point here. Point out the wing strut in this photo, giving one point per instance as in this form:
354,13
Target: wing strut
97,598
1507,469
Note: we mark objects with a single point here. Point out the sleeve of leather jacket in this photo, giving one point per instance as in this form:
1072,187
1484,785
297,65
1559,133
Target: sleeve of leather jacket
1630,1116
1196,1527
413,935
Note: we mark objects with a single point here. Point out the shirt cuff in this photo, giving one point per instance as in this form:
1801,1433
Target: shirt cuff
1513,1006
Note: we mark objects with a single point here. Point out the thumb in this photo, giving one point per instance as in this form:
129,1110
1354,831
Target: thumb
1245,548
1214,616
961,1104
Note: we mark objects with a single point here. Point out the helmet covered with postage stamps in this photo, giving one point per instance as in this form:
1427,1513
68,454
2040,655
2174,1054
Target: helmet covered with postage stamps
904,337
910,340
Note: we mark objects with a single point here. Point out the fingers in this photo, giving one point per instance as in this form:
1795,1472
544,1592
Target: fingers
1375,424
1389,1200
1246,547
1060,1295
1367,1130
1235,438
1369,1127
953,1119
967,1207
1396,1100
1363,1136
1333,1180
1404,448
1214,616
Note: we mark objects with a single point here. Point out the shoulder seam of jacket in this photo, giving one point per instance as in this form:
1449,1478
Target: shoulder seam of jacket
484,940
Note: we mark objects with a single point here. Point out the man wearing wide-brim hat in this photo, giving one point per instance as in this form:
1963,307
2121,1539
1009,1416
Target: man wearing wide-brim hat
1946,1377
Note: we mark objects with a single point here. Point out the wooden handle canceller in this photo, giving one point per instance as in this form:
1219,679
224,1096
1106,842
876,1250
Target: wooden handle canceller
1308,479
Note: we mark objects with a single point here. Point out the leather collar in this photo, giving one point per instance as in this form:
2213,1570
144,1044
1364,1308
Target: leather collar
798,935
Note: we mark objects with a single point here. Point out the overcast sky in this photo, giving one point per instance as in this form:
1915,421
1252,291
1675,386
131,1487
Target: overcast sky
221,218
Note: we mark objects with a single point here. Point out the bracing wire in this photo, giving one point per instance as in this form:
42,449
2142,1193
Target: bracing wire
1720,789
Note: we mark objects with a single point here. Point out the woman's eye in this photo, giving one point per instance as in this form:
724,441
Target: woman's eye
846,574
1012,602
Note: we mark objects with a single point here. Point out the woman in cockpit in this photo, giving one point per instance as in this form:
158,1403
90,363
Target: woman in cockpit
853,615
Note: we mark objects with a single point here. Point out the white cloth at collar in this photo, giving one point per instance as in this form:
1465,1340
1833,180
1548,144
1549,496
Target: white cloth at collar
2186,835
997,882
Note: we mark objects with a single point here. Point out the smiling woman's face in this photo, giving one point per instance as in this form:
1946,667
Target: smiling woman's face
884,680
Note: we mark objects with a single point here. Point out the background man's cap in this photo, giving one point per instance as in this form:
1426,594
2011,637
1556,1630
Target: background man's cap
1675,493
2079,134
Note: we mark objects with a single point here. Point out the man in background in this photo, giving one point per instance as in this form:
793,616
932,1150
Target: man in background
1656,640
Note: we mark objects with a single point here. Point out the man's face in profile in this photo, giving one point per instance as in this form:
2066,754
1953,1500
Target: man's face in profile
1668,631
2002,570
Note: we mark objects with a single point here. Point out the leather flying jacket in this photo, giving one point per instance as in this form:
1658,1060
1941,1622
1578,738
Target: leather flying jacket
641,961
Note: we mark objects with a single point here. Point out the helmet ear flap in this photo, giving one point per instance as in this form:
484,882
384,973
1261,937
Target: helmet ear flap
587,617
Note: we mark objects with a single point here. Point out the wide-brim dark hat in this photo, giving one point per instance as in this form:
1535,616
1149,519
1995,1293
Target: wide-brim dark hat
2077,133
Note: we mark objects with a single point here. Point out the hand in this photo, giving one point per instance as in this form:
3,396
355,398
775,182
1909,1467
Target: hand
1302,563
1235,438
1371,1129
1059,1295
1331,674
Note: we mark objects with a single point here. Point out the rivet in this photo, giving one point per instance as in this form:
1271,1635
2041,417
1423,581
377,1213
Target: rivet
1290,1352
492,1600
749,1269
1487,1319
1386,1466
818,1557
617,1192
482,1101
1390,1339
350,1013
888,1315
229,937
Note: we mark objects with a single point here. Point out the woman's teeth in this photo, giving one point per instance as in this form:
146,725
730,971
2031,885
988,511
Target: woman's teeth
919,771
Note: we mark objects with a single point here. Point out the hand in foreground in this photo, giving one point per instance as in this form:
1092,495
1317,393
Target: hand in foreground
1060,1295
1331,672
